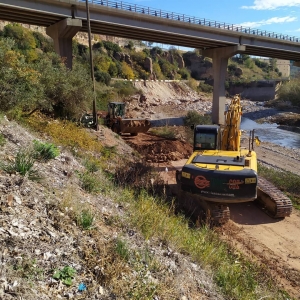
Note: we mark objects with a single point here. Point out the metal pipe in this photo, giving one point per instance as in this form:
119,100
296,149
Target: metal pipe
95,118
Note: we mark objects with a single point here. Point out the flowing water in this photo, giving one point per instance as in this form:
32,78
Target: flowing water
270,133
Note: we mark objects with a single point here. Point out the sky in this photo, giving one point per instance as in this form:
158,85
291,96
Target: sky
280,16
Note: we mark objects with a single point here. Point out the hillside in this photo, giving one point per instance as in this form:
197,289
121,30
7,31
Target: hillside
43,230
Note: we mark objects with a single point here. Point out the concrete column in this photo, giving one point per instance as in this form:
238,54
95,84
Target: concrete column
62,33
220,61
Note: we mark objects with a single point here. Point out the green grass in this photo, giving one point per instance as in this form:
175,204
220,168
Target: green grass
85,219
122,249
89,182
23,164
237,277
285,181
2,140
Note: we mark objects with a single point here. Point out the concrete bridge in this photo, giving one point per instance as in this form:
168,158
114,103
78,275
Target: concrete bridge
218,40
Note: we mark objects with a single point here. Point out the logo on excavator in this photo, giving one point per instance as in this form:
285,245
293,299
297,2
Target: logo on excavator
201,182
234,184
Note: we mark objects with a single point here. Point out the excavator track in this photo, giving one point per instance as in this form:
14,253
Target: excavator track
277,204
215,213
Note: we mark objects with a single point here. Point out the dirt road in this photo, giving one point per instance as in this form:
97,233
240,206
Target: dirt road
273,242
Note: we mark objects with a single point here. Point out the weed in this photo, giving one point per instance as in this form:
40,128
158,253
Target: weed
65,133
85,219
45,151
91,165
28,269
65,275
108,152
237,277
89,182
23,165
2,140
122,249
284,180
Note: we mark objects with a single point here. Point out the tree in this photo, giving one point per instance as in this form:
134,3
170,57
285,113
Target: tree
127,71
23,36
19,82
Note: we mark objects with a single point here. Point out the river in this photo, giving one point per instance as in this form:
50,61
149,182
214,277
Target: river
270,133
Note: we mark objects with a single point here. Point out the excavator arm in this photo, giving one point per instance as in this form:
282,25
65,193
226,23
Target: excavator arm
231,135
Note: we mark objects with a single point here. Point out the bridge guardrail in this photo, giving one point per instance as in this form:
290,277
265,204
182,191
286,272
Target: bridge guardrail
191,19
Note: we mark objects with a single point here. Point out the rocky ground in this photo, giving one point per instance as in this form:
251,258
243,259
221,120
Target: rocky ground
40,236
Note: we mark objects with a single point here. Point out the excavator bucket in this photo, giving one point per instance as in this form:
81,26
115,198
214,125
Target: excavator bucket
134,126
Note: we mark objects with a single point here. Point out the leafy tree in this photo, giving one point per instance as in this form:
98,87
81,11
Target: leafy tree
157,70
111,47
19,82
249,63
113,69
103,77
127,71
166,67
185,74
43,42
23,36
66,92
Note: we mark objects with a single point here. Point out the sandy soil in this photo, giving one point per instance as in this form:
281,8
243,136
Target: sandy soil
273,242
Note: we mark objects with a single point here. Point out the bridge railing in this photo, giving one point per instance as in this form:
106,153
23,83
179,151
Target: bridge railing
191,19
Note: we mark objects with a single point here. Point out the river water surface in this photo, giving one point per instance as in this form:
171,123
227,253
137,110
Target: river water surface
270,133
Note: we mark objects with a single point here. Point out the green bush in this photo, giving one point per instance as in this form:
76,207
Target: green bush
19,82
205,88
166,132
124,88
290,91
102,77
185,73
122,249
194,118
111,47
45,151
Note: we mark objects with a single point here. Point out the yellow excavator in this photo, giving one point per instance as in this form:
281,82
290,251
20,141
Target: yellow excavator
220,172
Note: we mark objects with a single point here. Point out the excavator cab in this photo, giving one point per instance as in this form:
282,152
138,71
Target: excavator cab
206,137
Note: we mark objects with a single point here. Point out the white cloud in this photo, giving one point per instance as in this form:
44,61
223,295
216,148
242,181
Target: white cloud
272,4
276,20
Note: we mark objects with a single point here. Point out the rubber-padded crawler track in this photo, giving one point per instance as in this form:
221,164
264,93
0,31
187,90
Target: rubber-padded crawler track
278,205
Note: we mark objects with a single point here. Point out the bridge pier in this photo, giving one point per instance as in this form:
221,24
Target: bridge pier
62,33
220,61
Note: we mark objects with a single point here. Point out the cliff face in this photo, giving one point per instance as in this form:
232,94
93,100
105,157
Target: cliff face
200,67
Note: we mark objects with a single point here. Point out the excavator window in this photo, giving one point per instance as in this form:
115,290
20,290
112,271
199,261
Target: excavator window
205,141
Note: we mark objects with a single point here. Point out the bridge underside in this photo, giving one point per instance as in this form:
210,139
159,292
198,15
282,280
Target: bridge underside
64,18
